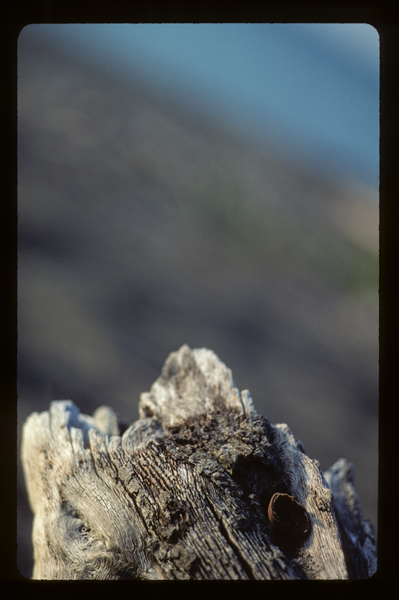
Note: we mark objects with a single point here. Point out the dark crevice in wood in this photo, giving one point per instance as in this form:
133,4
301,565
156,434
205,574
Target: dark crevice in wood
246,567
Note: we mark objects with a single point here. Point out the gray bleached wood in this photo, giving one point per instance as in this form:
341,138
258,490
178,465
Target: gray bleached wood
183,493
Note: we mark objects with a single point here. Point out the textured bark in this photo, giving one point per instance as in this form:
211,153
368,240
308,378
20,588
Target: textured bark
184,492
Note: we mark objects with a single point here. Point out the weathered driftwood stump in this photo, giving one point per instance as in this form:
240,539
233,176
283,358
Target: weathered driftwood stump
200,487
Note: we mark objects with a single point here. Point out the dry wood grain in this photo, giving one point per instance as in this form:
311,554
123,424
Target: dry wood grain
184,492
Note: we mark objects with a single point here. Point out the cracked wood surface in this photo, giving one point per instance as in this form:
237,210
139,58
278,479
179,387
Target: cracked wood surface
183,493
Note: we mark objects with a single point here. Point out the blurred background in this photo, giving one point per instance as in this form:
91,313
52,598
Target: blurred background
214,185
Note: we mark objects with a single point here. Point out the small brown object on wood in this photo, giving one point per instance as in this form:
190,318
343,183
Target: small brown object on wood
188,491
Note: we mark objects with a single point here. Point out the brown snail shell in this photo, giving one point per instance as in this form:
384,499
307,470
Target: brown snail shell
287,516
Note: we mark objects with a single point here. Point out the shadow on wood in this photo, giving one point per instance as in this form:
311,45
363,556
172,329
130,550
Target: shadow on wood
200,487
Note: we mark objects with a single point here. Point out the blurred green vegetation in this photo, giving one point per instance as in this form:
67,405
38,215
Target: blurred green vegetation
265,234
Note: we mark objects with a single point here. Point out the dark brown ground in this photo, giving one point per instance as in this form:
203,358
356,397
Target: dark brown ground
143,227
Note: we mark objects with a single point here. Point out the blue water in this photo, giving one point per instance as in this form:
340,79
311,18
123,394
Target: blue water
313,87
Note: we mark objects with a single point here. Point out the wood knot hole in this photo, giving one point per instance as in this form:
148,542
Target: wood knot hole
288,517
